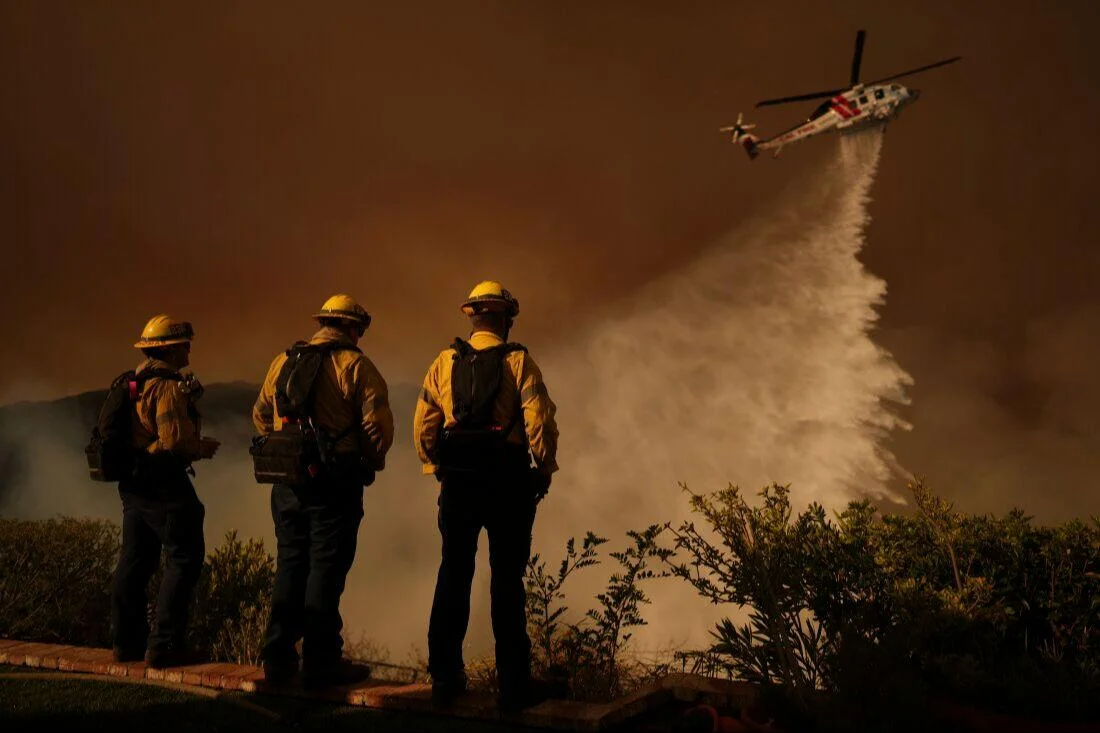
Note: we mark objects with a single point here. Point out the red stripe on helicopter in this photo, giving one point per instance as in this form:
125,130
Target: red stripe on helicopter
843,107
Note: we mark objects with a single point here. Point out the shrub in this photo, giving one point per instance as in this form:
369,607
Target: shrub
878,616
588,654
41,565
232,601
42,562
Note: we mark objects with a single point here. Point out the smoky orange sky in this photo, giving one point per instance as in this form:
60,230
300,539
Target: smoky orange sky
236,163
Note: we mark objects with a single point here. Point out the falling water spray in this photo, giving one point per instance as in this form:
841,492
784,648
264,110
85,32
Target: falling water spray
754,364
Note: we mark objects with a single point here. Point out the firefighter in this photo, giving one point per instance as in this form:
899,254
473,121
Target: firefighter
160,508
317,524
484,426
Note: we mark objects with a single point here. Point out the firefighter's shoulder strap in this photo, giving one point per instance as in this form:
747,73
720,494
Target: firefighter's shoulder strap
294,387
464,348
110,451
476,380
126,389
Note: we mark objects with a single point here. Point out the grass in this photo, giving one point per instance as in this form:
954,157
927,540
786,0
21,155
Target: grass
31,700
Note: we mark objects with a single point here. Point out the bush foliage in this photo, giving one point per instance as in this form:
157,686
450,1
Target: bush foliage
882,615
232,601
855,617
588,654
41,562
864,620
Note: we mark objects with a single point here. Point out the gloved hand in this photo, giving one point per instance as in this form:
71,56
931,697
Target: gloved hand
540,484
208,447
367,474
191,386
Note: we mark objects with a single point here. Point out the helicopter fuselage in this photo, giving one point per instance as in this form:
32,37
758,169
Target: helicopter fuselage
851,111
845,110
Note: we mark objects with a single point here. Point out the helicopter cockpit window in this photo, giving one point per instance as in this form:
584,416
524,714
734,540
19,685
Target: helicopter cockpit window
879,94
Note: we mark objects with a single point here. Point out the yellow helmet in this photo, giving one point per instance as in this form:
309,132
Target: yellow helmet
489,295
164,330
345,308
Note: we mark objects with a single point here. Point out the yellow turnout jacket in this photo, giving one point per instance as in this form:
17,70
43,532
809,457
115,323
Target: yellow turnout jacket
525,390
166,420
349,390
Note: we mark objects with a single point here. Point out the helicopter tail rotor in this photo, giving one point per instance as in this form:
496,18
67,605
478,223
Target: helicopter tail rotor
739,133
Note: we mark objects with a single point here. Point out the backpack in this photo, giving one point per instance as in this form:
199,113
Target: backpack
110,452
301,452
476,442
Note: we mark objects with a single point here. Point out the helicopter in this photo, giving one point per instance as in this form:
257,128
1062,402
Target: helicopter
846,110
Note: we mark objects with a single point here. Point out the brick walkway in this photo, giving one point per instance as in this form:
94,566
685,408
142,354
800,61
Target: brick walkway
389,695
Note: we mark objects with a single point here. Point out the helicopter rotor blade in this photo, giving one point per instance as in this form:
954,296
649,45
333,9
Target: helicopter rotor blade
857,57
800,97
945,62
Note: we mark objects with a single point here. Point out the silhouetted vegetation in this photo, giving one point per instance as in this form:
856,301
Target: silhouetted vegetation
55,587
232,601
55,580
872,621
863,620
587,654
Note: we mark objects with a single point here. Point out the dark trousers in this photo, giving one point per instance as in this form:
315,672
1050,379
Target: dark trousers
504,505
316,529
155,515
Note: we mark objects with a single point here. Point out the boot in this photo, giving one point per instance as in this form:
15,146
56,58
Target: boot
335,675
444,691
172,656
278,674
123,655
517,697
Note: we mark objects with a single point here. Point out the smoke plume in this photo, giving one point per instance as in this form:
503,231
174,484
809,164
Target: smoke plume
754,364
